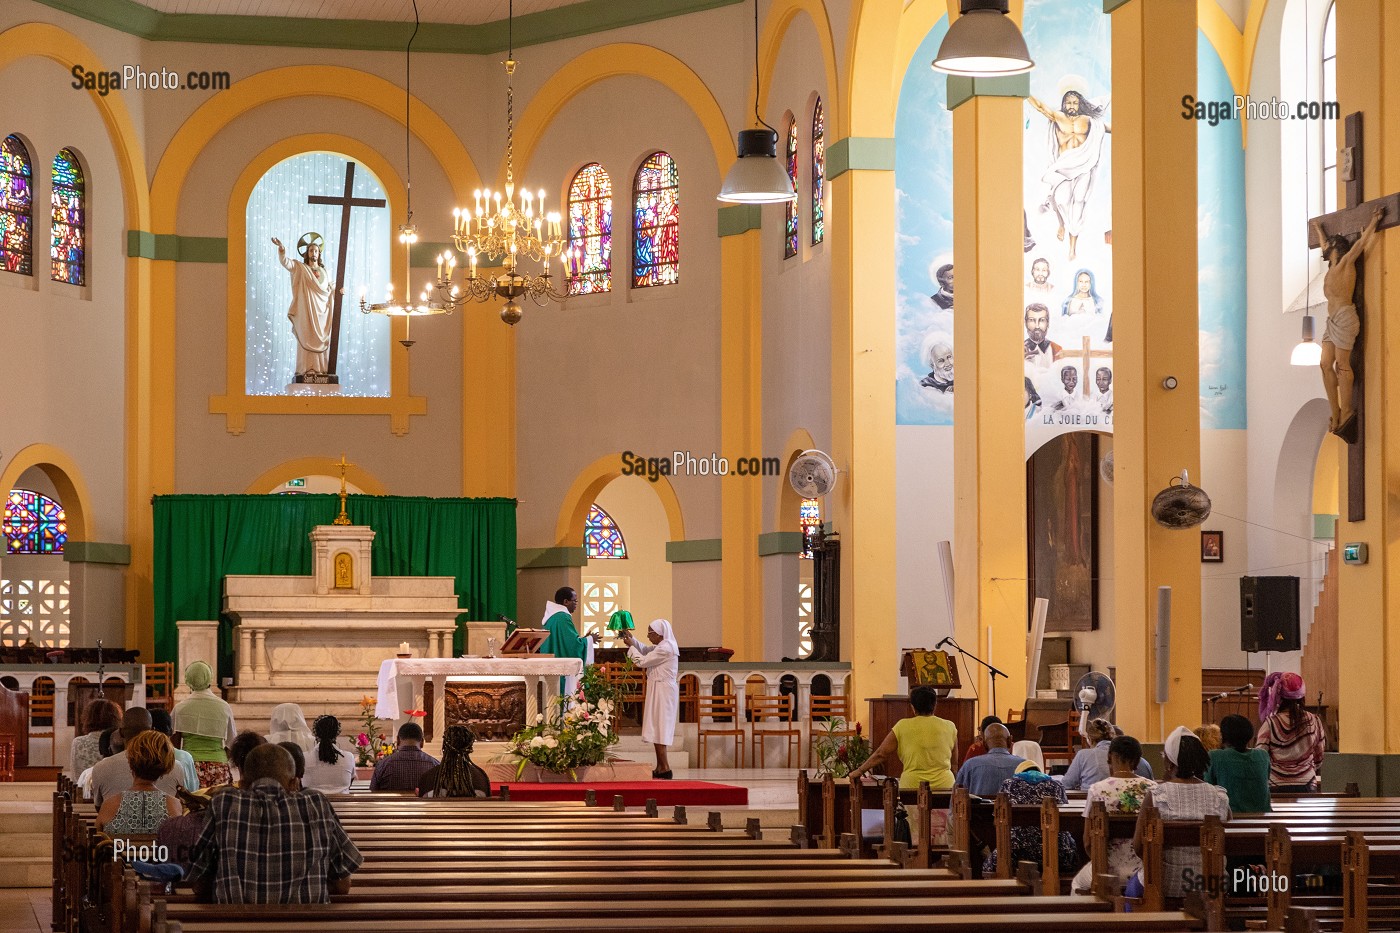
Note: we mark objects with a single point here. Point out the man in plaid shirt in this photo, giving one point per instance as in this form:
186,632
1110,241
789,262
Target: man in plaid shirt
401,770
267,845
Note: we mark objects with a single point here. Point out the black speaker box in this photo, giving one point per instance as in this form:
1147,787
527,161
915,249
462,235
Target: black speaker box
1269,614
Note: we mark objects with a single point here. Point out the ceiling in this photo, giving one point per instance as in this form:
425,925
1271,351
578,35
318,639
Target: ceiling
463,12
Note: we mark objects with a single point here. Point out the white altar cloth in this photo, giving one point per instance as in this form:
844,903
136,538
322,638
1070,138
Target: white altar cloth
401,682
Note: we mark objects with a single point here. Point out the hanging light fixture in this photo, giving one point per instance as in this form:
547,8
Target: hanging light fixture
1308,352
498,228
984,42
757,177
408,233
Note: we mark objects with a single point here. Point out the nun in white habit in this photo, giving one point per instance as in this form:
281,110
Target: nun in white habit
662,706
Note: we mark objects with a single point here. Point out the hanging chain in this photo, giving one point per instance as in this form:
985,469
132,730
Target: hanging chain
510,123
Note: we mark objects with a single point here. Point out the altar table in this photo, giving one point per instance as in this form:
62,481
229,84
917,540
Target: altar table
401,682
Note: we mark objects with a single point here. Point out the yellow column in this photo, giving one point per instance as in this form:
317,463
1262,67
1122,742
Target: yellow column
1157,432
989,427
488,402
741,435
862,506
1368,80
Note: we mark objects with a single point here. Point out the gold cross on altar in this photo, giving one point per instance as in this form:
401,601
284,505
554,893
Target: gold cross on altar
342,518
1088,357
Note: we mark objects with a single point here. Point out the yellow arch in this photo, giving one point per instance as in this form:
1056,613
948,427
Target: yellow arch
610,61
788,500
775,28
277,84
319,466
43,40
568,530
62,470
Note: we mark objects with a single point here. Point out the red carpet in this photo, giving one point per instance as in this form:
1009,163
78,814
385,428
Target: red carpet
635,793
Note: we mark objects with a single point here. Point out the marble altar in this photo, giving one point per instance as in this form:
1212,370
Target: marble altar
323,637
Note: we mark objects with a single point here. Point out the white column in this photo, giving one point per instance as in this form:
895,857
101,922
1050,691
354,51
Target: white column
245,656
260,654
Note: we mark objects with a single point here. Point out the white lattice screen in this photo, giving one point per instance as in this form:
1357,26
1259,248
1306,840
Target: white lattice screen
34,610
602,596
804,620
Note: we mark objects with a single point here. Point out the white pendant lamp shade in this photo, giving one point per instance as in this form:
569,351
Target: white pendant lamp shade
1308,352
983,42
757,177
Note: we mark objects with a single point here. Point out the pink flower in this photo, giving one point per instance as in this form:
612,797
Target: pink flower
362,740
857,728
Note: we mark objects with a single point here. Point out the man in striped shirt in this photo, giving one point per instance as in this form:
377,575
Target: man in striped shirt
269,845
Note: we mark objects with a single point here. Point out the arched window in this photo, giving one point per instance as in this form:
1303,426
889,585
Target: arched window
656,223
590,231
34,524
16,207
69,237
602,539
790,230
810,520
1329,93
818,173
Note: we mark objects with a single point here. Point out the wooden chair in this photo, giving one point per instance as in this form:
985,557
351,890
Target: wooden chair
1059,741
722,710
765,708
829,709
7,759
689,692
160,685
41,707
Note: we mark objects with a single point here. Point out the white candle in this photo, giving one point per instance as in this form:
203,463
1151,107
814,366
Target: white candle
404,647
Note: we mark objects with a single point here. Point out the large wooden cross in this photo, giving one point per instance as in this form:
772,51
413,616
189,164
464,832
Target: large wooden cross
1350,221
1087,355
346,201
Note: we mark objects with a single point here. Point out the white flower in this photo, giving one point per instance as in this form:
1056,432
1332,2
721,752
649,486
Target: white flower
551,742
539,718
537,742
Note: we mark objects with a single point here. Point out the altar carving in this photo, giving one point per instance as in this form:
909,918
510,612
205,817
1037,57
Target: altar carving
494,711
344,571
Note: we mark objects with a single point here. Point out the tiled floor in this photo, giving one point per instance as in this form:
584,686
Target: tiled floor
25,910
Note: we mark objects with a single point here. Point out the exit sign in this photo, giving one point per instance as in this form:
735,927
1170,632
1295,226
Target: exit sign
296,483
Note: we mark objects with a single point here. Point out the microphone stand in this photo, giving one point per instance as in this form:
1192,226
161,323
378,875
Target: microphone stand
990,670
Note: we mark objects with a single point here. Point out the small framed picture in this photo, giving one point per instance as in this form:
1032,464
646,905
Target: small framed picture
1212,547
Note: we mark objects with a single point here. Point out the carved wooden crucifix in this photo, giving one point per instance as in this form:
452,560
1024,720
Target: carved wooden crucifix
1350,221
345,201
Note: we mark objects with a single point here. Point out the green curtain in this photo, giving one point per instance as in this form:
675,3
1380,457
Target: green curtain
201,539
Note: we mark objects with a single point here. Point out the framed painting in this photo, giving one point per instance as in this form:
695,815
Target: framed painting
1212,547
1062,510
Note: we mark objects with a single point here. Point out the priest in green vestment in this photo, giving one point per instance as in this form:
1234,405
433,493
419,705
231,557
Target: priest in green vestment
564,641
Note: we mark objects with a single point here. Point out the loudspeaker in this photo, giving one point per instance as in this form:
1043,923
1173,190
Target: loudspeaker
1164,643
1269,614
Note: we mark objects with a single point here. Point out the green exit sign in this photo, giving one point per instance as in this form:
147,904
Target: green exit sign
296,483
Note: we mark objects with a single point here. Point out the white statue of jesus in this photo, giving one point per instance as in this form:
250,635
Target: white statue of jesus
310,310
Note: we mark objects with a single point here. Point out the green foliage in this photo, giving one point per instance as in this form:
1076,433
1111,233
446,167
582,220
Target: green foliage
575,734
839,755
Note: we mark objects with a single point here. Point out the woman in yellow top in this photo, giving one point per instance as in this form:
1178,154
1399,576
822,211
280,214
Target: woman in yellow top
924,744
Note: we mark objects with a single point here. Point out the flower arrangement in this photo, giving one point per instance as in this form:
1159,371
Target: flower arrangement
839,755
371,744
576,733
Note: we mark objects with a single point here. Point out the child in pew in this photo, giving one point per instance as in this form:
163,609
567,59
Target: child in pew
140,810
1241,770
1121,792
331,769
1184,795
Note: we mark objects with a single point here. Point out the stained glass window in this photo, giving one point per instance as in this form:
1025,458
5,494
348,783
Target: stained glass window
590,231
602,539
818,173
790,232
69,216
34,524
16,207
656,223
810,520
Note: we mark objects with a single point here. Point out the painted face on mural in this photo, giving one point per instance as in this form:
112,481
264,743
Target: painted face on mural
1069,378
1082,283
945,278
1103,378
1037,322
1040,272
941,358
1071,103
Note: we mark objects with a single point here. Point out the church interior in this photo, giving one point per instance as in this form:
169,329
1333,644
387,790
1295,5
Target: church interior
373,332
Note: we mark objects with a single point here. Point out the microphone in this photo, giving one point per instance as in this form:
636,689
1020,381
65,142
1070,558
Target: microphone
942,643
1229,693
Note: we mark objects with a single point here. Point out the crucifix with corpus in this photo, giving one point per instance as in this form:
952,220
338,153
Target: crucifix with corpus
1342,286
316,303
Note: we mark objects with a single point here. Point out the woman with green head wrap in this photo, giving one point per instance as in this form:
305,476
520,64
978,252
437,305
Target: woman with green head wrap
205,724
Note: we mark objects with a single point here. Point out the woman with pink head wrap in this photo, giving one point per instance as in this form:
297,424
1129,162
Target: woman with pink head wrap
1292,736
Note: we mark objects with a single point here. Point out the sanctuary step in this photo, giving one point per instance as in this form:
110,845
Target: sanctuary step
27,827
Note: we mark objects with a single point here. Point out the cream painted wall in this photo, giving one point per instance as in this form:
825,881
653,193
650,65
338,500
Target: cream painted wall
641,518
924,516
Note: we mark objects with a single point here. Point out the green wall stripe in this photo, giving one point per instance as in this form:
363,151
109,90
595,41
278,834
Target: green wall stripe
780,542
175,248
678,552
961,90
864,153
576,19
96,552
735,219
1324,526
532,558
